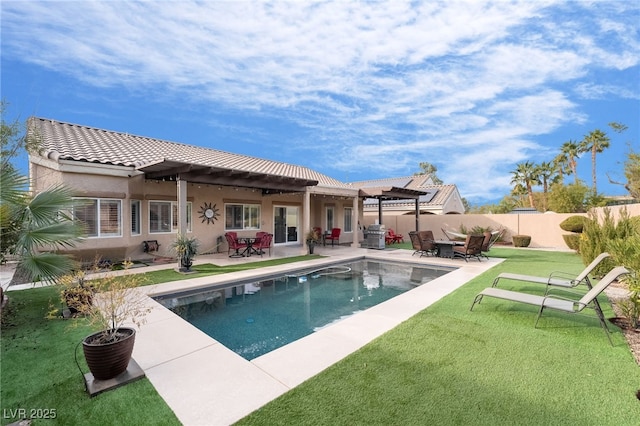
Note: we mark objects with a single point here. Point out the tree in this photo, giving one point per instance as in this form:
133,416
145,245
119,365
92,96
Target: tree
632,173
595,142
568,198
33,222
569,153
545,172
525,176
431,170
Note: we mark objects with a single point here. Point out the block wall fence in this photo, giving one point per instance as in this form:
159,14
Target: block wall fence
544,229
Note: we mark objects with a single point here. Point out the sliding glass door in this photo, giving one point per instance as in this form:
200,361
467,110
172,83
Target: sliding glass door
286,225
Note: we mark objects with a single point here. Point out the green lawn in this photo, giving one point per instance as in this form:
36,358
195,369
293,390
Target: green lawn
446,365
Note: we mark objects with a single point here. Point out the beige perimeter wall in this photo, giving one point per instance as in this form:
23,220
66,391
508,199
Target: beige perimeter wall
544,229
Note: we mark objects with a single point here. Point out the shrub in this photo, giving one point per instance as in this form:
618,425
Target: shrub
598,234
626,252
521,240
572,241
573,224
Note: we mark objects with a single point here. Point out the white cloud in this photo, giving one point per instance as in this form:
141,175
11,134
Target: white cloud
395,79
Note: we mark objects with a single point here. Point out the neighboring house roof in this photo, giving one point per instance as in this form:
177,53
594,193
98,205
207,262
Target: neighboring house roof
66,141
435,198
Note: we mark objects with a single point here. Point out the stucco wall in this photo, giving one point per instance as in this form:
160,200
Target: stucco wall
544,229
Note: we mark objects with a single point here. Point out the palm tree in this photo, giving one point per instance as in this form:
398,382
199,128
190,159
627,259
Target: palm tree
595,142
571,151
545,173
526,175
33,227
40,226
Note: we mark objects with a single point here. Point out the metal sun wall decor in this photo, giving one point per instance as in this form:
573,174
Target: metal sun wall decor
209,213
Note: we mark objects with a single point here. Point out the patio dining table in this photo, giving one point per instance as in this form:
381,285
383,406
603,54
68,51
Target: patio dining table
445,247
249,250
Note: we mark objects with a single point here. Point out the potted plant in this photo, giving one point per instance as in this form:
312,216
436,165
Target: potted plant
186,248
114,301
312,239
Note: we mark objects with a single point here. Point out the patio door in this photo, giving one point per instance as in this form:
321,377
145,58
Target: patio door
286,225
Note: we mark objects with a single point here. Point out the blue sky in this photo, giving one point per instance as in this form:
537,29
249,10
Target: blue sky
355,90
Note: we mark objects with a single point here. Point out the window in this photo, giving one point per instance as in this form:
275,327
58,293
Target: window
101,217
175,225
242,216
348,219
163,216
135,217
330,218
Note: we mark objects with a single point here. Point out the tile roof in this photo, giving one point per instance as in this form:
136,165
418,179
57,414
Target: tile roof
68,141
415,182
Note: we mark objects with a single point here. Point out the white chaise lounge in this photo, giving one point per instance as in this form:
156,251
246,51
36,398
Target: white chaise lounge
558,303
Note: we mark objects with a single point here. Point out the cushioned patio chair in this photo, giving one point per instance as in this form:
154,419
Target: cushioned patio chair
334,236
234,244
416,243
263,243
427,242
569,305
471,248
557,278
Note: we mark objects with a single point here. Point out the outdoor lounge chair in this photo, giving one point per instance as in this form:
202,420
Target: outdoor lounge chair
569,305
559,279
471,248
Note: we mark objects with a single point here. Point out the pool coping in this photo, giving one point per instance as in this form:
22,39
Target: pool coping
205,383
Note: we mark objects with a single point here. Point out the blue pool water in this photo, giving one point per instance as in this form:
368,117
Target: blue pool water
253,318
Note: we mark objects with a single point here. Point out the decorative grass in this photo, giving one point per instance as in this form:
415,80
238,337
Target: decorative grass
448,365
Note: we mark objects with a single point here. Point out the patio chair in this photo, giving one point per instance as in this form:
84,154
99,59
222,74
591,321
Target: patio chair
427,242
557,278
334,236
264,243
234,244
471,248
416,243
393,238
569,305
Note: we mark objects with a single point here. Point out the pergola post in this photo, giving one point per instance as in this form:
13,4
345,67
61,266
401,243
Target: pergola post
182,205
354,223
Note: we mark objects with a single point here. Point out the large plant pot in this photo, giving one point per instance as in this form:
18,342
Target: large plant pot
107,360
185,264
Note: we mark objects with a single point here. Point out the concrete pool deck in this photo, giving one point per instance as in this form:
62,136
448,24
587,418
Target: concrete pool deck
205,383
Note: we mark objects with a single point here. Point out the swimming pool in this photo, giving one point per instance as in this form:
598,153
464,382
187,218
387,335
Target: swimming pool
255,317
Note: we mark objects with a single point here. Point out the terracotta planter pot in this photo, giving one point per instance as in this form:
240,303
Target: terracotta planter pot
107,360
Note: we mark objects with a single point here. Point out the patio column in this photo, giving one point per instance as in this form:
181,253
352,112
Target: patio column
306,216
417,215
182,205
354,223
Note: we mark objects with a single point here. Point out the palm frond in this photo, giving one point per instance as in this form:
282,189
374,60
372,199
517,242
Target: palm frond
47,266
